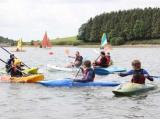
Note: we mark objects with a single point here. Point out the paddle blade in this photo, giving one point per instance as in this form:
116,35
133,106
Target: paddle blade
66,51
100,71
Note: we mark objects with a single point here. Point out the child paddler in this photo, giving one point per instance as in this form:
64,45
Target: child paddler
16,69
78,60
139,74
103,60
88,72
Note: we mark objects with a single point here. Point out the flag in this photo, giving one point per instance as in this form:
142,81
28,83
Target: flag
103,40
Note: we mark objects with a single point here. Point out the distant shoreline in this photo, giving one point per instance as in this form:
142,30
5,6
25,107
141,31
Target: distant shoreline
97,46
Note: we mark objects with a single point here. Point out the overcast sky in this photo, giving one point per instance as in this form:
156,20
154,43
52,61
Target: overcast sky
29,19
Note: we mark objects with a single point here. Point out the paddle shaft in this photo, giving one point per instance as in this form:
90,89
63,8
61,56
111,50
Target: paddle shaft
15,57
77,73
16,68
97,58
155,76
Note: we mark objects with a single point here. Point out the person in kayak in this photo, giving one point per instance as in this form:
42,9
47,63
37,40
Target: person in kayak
10,62
139,74
78,60
16,70
88,72
103,60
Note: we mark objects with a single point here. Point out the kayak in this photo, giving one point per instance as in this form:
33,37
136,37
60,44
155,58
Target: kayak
25,79
128,89
70,83
108,70
33,70
56,68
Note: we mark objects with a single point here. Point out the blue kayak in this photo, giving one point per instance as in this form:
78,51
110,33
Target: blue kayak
71,83
108,70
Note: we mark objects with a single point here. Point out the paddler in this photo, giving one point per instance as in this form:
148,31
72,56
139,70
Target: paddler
103,61
139,74
15,70
88,72
78,60
10,62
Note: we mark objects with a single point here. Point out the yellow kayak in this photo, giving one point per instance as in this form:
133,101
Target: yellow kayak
28,79
33,70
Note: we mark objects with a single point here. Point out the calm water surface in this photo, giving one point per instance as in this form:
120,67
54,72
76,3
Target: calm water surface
37,101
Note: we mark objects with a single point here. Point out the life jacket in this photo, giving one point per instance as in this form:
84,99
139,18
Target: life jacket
80,60
15,73
138,77
108,60
103,62
86,72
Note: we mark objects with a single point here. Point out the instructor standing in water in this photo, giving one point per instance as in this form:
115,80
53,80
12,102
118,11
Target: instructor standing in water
78,60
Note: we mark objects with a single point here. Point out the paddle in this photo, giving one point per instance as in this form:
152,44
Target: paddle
15,57
155,76
77,74
16,68
66,51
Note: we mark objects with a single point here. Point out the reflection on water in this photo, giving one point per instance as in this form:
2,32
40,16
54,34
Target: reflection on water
36,101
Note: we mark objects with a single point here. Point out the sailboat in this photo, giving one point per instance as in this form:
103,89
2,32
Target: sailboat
105,44
19,46
45,42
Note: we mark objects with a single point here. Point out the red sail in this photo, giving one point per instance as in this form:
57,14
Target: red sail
45,42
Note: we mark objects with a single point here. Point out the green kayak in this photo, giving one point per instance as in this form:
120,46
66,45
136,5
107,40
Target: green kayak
129,89
32,70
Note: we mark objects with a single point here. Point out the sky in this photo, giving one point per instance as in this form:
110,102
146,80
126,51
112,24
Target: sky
30,19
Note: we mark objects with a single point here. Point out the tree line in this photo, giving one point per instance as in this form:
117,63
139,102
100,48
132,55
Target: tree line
4,40
121,26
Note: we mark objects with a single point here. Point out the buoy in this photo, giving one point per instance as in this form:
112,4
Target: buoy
50,53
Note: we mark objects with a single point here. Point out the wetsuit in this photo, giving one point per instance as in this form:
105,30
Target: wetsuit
88,76
139,76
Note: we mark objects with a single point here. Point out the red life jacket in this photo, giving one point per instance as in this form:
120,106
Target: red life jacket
108,59
138,77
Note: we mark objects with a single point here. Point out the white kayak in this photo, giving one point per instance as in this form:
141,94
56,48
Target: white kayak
57,68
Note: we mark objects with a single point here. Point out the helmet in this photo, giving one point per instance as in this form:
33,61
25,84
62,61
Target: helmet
17,61
12,56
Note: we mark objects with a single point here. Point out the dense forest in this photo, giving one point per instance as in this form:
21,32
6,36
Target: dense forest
121,26
6,41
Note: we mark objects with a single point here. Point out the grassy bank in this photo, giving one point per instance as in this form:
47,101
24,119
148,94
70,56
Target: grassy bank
71,41
144,42
74,42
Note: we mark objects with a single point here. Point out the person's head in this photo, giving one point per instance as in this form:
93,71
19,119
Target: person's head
12,56
136,64
87,64
108,54
103,54
77,53
17,62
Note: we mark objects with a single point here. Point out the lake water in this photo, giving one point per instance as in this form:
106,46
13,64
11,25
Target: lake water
36,101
